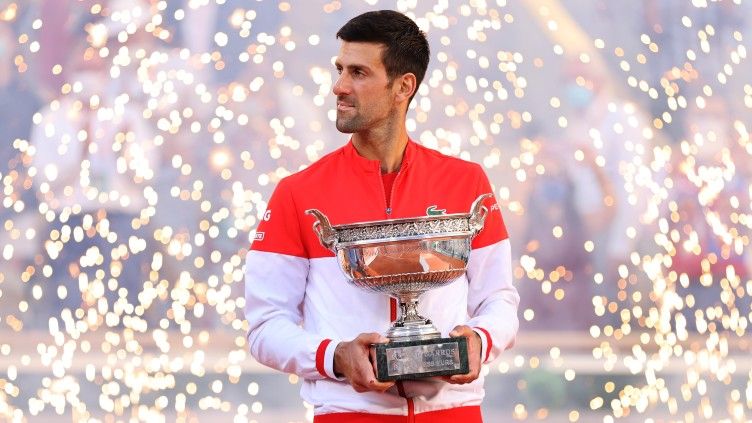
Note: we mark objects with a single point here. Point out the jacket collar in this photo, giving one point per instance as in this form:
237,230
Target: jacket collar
371,166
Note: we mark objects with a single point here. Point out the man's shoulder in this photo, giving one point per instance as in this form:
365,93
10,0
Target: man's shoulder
314,173
435,159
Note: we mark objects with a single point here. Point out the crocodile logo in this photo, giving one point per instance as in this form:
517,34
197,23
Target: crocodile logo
434,211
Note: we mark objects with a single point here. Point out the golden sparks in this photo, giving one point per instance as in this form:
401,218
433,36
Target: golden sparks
129,207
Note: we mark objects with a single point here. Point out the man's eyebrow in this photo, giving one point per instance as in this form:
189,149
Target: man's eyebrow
354,66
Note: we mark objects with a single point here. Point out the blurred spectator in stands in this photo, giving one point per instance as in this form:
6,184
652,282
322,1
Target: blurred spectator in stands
95,155
18,102
560,220
709,189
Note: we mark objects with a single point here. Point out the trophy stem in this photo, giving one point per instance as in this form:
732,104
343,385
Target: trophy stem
411,325
409,313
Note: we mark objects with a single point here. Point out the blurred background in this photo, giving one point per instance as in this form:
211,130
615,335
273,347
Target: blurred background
140,140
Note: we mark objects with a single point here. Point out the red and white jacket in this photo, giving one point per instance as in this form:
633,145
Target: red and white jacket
299,304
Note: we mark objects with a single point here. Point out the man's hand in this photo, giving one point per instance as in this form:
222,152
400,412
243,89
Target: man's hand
474,347
353,361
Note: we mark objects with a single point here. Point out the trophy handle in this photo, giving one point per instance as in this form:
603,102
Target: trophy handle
478,213
323,229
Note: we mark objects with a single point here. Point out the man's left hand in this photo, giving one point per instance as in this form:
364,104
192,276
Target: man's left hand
474,347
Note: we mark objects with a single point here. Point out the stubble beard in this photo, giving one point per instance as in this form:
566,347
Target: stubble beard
349,125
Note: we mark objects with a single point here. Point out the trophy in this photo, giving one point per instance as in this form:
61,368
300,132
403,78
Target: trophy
405,258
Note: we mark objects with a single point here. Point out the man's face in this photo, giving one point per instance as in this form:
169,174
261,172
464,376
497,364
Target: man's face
365,97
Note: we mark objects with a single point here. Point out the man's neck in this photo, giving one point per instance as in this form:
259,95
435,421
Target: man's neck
386,146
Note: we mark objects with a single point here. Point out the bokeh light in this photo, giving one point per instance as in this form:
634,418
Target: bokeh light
142,138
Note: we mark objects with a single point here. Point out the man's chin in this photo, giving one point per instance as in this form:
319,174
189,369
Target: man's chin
345,127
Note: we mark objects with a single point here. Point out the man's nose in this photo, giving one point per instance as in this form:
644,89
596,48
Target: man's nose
341,85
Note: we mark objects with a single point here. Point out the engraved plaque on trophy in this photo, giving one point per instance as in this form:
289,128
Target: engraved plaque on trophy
404,258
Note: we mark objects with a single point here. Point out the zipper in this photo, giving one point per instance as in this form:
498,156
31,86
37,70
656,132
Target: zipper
383,195
410,403
390,205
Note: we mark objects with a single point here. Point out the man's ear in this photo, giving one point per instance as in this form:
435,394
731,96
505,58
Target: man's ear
405,86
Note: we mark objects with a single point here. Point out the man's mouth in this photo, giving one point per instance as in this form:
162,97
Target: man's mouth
343,106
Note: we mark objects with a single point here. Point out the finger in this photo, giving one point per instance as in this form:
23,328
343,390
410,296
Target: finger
366,375
470,376
375,385
447,379
460,379
359,388
370,383
373,338
460,330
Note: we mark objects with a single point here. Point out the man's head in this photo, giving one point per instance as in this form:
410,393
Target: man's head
405,45
382,61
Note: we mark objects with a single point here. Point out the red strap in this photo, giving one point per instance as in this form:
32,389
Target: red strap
471,414
320,356
489,343
358,418
410,404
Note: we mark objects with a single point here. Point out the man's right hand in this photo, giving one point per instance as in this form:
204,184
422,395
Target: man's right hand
352,360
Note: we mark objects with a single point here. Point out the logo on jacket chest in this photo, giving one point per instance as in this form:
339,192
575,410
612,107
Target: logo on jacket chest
434,211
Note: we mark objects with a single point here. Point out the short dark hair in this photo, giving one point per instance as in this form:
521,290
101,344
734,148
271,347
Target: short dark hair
406,48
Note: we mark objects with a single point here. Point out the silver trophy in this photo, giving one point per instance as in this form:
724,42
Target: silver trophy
405,258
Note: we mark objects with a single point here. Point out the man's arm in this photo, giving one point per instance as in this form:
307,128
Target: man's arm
276,276
274,291
492,299
273,311
492,304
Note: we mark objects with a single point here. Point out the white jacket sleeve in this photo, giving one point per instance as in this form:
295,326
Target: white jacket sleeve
492,298
274,292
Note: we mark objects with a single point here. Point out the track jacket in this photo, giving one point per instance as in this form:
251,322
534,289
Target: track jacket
299,304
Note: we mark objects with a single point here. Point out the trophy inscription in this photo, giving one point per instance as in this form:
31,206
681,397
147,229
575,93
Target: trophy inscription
404,258
421,359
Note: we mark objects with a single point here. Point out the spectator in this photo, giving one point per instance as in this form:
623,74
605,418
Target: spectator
94,156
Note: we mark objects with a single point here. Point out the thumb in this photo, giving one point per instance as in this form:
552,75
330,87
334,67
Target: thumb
457,331
375,338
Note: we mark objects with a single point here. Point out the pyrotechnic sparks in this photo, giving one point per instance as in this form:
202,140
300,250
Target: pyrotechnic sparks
618,157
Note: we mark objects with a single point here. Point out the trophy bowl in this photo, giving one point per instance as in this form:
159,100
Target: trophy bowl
404,258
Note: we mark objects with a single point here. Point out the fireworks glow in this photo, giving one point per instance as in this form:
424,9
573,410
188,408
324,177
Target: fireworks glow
163,127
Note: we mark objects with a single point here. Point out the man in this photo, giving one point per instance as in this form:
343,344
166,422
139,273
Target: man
304,317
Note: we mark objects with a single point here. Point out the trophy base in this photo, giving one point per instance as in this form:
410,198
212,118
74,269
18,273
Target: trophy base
406,360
